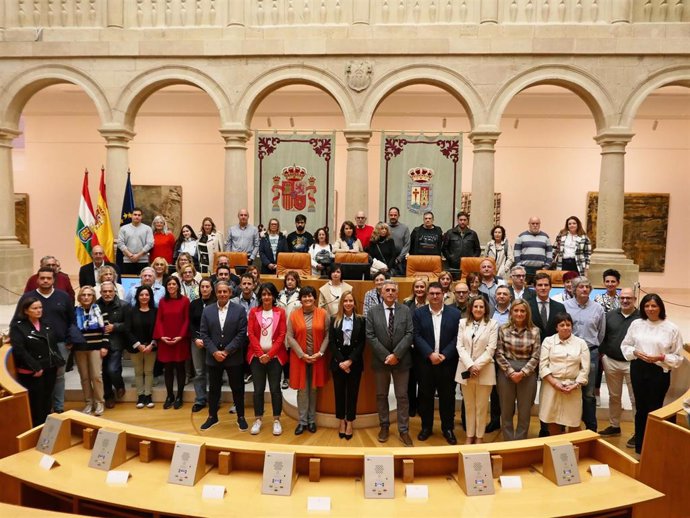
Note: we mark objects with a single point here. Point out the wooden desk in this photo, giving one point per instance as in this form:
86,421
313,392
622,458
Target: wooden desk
14,401
74,487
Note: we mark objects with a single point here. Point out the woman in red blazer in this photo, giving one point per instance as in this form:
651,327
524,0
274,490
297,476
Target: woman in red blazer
266,354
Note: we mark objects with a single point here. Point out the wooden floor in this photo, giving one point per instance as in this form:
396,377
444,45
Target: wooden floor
184,421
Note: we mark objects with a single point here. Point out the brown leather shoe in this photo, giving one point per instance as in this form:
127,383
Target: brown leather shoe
109,403
383,434
406,439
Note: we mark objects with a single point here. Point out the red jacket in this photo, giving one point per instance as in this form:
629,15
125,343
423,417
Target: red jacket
278,330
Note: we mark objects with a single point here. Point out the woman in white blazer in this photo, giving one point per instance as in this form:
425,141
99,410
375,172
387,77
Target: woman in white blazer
477,335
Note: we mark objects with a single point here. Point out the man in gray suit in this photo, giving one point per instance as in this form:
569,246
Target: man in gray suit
389,333
224,332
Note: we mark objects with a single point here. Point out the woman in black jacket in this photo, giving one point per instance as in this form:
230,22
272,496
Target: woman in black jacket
347,332
382,247
196,308
140,323
36,357
270,245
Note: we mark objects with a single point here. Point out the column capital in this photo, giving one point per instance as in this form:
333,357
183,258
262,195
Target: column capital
484,139
613,140
117,137
7,135
362,135
235,138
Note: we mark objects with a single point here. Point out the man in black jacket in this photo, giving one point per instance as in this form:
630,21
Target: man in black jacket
88,274
114,312
460,241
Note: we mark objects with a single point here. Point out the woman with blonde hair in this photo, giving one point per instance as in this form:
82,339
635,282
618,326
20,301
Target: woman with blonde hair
161,269
108,273
163,240
382,248
210,241
89,354
445,279
183,260
347,333
477,336
517,356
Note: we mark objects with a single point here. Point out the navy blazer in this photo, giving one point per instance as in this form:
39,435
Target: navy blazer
554,308
231,338
424,332
266,252
342,352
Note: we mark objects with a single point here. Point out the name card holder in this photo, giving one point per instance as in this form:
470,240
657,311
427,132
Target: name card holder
55,435
187,464
109,449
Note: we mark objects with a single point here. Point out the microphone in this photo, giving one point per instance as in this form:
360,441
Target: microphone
336,299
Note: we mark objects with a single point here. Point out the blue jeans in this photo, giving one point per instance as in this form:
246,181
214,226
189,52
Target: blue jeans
589,402
59,390
112,373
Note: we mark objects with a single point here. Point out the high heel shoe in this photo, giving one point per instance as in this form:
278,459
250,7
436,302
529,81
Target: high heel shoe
343,426
348,425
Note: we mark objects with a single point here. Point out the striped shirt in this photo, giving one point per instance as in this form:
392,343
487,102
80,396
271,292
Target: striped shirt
533,250
518,344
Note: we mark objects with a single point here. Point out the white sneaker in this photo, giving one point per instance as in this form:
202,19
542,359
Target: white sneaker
100,408
256,427
277,428
88,409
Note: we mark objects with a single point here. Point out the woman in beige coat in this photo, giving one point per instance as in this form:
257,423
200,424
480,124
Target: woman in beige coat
563,367
477,336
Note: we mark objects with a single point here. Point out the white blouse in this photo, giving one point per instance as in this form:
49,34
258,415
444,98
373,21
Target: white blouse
654,339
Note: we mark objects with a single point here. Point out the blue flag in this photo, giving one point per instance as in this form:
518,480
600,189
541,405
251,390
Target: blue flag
126,213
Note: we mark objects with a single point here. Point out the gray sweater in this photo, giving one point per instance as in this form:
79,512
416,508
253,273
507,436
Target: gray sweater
135,239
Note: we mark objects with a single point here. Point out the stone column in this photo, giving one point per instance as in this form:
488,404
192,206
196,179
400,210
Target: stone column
236,192
609,250
16,260
482,207
116,167
357,184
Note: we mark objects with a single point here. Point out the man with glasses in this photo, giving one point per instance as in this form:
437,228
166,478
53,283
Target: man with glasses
616,367
519,289
364,231
436,359
462,295
533,249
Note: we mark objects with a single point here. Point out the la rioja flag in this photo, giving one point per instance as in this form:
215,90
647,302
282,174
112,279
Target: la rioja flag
84,238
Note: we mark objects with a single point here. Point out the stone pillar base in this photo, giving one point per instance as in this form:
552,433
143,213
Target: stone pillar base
16,266
603,259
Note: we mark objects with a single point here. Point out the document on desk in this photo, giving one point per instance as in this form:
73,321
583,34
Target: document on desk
510,482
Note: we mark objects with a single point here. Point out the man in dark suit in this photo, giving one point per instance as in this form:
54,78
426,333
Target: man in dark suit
544,309
389,333
224,332
436,359
88,274
519,289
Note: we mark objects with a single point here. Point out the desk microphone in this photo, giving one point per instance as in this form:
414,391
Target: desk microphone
337,298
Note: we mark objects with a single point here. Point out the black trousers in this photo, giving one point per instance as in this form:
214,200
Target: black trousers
215,381
40,391
346,388
650,384
433,378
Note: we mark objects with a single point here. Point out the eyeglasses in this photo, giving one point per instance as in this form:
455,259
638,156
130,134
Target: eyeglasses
519,275
626,298
462,292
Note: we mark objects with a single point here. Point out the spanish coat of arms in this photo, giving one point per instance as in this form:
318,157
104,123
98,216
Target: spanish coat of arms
293,190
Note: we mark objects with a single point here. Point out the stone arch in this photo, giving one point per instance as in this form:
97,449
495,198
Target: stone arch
286,75
20,89
578,81
674,76
441,77
145,84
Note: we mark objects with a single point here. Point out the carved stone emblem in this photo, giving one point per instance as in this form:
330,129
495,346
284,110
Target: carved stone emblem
359,75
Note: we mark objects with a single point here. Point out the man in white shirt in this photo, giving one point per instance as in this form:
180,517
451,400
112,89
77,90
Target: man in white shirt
243,237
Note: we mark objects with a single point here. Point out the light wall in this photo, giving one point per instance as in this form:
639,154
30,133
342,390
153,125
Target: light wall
546,159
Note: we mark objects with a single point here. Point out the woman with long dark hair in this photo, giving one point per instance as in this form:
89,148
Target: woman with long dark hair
572,248
500,250
266,354
330,293
347,240
36,356
187,242
172,336
140,323
347,333
321,253
654,346
210,241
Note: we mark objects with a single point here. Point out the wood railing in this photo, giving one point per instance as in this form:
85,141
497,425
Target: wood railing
14,405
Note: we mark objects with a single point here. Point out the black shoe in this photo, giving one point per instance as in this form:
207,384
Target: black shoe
492,426
178,403
611,431
450,437
285,384
544,433
168,402
348,436
300,429
341,435
198,406
211,421
110,402
149,401
242,423
311,427
424,434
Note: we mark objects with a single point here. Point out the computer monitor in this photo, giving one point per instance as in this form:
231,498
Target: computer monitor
355,271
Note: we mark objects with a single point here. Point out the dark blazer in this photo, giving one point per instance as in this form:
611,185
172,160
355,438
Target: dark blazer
342,352
424,333
381,344
554,308
266,252
526,296
87,276
231,338
34,350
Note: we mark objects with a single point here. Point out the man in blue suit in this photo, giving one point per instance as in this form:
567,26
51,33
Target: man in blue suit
224,332
436,359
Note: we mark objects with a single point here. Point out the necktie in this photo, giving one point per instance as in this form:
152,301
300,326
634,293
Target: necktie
391,322
542,313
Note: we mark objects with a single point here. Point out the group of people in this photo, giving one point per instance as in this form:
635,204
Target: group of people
492,337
